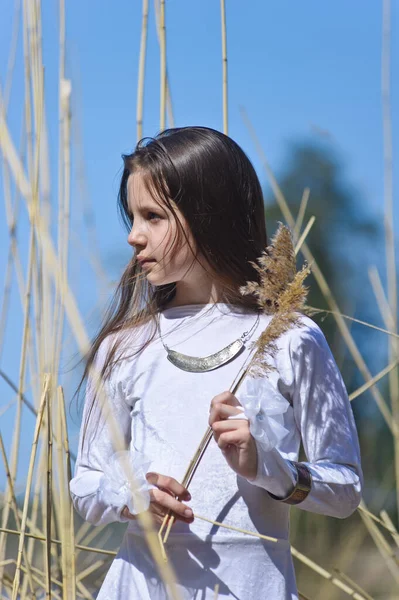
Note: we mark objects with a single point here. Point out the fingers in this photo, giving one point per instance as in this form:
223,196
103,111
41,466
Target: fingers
239,429
169,485
223,406
229,438
162,502
225,398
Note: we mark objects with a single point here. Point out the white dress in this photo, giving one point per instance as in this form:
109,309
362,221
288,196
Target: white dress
163,412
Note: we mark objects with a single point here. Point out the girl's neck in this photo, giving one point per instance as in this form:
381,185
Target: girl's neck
198,294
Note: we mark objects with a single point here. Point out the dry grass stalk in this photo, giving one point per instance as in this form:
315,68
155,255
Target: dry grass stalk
393,347
313,310
49,480
224,64
387,522
382,302
25,337
363,388
16,513
389,528
347,589
302,596
345,578
389,557
169,107
268,538
142,57
69,548
304,234
301,213
38,425
42,538
162,43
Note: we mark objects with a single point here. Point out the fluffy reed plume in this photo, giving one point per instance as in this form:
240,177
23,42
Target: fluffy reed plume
280,293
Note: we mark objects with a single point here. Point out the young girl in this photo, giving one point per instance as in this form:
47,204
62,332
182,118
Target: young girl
194,210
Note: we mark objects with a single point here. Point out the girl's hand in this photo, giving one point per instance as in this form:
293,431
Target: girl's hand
163,499
233,436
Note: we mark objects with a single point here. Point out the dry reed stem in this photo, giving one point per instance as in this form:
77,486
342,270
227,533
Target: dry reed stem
21,378
42,538
12,55
169,106
48,503
29,484
49,255
388,171
387,522
301,213
216,592
382,302
302,596
326,574
142,59
345,578
315,310
390,322
363,388
89,570
389,215
162,45
304,234
36,504
224,67
70,567
15,510
391,560
268,538
391,528
40,582
323,286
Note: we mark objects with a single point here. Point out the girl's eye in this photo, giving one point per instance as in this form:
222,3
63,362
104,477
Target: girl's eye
153,216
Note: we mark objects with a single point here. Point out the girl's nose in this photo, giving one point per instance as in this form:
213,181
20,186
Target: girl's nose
136,237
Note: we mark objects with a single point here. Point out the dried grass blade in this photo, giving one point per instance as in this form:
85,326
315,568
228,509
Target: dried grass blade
38,425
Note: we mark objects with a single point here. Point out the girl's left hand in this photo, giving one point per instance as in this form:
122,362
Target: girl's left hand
233,435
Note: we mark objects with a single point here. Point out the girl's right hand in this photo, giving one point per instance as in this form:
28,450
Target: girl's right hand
167,496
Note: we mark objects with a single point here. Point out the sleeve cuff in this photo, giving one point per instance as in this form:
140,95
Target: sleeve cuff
275,474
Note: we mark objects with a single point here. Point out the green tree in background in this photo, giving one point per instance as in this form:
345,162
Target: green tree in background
345,240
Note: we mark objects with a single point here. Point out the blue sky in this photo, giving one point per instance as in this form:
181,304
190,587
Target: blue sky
296,67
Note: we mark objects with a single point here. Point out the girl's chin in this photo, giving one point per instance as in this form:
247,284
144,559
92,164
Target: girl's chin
156,278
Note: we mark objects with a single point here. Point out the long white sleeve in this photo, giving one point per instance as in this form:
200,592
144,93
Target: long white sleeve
96,448
324,418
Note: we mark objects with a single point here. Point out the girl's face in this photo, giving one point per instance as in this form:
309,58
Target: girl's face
153,235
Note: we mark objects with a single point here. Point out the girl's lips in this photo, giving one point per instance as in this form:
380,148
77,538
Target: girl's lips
147,263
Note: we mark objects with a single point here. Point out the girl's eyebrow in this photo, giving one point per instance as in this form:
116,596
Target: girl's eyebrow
148,208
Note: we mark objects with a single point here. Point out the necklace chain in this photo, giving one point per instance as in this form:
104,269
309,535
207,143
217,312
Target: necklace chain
242,338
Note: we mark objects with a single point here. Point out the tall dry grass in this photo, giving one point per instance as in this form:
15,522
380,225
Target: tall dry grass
45,549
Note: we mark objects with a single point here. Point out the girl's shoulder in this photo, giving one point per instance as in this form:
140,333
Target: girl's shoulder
122,345
304,335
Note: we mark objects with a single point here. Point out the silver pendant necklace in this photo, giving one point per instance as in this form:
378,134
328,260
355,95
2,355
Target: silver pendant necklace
201,364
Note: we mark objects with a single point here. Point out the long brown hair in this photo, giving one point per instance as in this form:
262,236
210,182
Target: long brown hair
214,185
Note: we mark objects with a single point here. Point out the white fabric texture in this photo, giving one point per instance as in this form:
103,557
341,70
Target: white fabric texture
162,413
124,482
